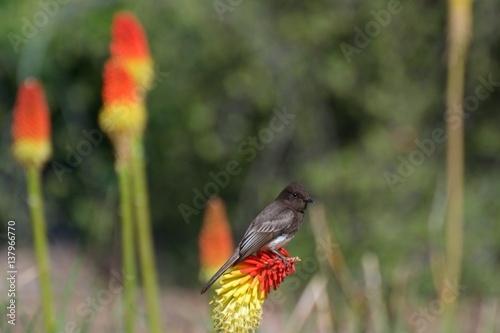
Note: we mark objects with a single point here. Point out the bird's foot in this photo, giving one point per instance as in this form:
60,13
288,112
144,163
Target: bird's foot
282,257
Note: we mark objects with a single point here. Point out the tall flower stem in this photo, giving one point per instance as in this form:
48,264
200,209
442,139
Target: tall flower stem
35,202
129,269
146,252
459,32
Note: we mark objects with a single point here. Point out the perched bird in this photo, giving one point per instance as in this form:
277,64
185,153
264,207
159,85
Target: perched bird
272,229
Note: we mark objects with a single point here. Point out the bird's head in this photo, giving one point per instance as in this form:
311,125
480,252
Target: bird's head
295,196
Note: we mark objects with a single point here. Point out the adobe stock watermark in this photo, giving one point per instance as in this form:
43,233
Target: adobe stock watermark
30,26
363,37
426,147
424,316
223,6
75,156
248,148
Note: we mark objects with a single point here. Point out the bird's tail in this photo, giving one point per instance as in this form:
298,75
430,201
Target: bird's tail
221,270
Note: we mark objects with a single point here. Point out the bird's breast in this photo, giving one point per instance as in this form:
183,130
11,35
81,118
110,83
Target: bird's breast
278,242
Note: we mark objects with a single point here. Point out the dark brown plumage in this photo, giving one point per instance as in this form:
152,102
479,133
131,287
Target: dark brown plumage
272,229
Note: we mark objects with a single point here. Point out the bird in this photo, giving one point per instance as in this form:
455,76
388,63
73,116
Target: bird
272,229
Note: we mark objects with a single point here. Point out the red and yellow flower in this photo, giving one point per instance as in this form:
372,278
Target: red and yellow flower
215,240
130,46
238,302
31,125
123,114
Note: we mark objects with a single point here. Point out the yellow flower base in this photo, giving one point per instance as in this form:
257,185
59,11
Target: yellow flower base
123,118
30,152
238,304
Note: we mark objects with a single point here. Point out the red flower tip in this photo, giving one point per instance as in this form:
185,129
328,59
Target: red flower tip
270,268
31,114
129,40
118,84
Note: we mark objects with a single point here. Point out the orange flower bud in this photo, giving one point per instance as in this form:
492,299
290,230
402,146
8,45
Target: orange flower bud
129,45
215,240
31,125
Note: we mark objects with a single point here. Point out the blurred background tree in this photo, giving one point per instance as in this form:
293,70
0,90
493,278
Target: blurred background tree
221,82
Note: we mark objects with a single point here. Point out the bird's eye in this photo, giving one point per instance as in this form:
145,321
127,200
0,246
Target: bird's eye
295,194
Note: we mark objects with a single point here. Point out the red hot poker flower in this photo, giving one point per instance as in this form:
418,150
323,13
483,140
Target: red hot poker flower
270,269
215,240
239,300
123,115
123,111
129,45
31,125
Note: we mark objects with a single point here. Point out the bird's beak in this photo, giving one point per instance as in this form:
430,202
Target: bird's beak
308,200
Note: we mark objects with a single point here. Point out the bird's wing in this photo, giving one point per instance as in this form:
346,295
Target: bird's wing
267,225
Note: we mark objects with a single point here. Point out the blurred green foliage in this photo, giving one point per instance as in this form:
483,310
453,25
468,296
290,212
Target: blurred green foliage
219,82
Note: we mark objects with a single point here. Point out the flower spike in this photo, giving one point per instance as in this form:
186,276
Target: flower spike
244,288
31,125
215,240
130,46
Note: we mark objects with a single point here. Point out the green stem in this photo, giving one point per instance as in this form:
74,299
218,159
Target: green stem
459,32
146,253
129,269
35,202
459,27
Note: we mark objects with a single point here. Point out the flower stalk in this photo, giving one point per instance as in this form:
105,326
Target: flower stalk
122,116
129,48
128,247
146,252
31,148
35,201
